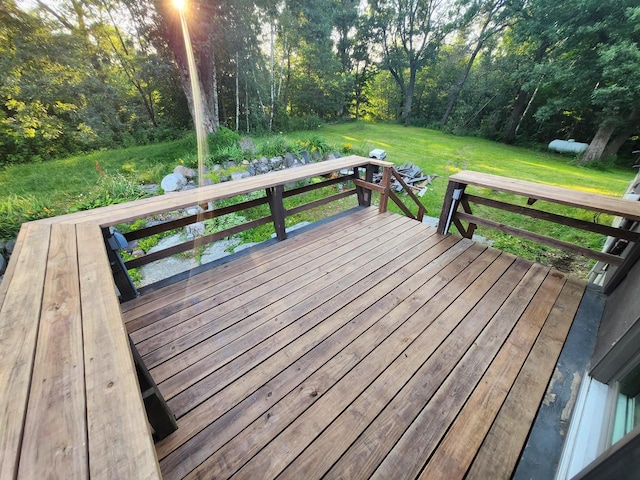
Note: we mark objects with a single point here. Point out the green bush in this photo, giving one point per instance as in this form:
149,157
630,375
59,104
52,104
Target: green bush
17,209
223,138
110,189
316,143
274,146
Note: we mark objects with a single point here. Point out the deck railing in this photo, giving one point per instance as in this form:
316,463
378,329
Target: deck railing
348,172
456,196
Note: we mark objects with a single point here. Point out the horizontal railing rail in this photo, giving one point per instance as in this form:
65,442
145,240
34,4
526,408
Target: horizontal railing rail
457,197
347,171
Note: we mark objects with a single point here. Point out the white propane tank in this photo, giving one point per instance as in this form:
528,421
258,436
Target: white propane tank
568,146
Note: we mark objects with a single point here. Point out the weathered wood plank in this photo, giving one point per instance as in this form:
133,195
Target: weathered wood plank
575,198
474,420
128,212
191,366
340,435
508,434
538,238
189,326
354,311
364,456
391,316
55,432
19,323
173,298
559,219
120,444
304,428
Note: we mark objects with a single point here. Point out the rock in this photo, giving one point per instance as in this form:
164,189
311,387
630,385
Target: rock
304,157
151,189
173,182
276,162
216,167
165,268
188,173
252,170
246,162
336,155
289,160
316,156
206,181
262,168
3,264
330,157
229,165
195,230
138,253
189,186
10,245
239,175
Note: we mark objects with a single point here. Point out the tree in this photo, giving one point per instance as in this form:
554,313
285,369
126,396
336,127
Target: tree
409,33
491,16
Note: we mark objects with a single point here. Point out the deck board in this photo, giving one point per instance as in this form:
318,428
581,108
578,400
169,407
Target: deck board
370,347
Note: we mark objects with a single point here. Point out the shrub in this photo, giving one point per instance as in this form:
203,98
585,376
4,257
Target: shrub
315,143
274,146
17,209
223,138
110,189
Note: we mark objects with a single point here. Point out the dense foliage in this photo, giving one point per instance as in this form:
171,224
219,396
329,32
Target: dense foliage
78,75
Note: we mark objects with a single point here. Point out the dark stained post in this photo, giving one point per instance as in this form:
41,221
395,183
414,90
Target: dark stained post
451,200
158,412
386,182
360,192
368,177
278,213
125,285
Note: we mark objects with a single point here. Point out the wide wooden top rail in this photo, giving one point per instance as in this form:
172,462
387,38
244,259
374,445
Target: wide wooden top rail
564,196
70,405
128,212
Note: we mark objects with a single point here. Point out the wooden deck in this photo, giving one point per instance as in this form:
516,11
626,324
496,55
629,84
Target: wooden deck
368,347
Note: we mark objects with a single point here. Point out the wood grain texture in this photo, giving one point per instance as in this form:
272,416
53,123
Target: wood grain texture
131,211
120,444
55,434
575,198
19,323
508,434
452,457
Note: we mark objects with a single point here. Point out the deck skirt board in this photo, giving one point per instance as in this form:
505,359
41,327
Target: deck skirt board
363,350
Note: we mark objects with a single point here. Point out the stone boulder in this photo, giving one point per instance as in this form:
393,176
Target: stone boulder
239,175
188,173
173,182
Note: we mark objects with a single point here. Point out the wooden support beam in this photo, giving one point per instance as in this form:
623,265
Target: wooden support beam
158,412
368,177
386,182
274,195
451,200
121,277
536,237
399,203
320,202
552,217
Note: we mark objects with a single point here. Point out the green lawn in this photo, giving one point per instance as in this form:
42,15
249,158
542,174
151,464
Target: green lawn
60,184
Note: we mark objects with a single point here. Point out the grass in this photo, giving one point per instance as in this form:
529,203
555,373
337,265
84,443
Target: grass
59,184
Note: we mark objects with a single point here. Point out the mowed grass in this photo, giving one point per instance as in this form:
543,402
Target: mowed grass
60,183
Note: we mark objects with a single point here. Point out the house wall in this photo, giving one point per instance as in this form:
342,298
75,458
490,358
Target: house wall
618,343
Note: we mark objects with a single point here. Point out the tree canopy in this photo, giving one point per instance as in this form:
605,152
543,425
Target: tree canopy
77,75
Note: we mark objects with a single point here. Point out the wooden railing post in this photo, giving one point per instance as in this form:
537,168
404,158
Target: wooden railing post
386,184
125,285
278,213
368,177
451,201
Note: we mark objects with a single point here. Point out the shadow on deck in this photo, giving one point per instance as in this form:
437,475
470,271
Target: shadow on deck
370,346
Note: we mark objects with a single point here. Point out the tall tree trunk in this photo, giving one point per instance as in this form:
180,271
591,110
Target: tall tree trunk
175,39
623,135
517,112
237,92
408,94
598,144
246,102
457,88
272,75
